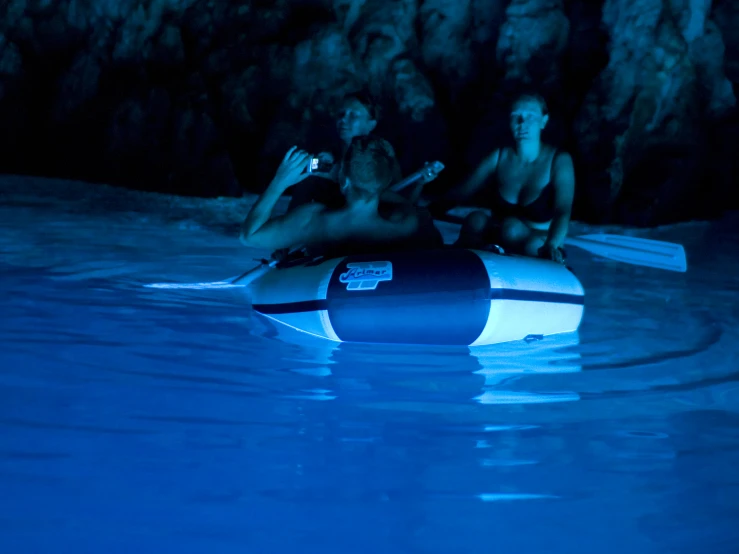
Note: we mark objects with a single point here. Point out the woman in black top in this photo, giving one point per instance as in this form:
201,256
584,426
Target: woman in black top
531,187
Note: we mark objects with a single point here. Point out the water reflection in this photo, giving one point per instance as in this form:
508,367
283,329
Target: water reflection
505,364
479,420
495,374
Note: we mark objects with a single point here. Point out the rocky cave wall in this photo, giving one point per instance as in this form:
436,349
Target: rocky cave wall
204,96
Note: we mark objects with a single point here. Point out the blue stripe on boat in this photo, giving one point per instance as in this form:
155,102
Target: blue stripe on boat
493,294
291,307
536,296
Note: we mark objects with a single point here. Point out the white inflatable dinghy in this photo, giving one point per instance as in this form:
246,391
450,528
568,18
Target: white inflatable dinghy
446,296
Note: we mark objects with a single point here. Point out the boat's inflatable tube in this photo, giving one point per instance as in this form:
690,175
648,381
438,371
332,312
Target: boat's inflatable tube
444,297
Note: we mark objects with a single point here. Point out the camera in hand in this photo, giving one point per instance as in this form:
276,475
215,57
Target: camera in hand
319,166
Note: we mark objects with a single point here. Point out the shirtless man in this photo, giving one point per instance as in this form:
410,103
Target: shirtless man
362,222
531,194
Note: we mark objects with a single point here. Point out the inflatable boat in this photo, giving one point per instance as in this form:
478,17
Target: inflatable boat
442,297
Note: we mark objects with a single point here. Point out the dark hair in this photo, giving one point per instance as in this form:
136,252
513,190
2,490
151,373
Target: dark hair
367,100
530,95
369,162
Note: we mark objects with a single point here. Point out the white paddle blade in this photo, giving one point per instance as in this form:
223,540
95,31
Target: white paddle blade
634,250
241,281
196,286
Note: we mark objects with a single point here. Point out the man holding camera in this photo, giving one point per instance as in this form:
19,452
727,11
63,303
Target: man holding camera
363,222
356,117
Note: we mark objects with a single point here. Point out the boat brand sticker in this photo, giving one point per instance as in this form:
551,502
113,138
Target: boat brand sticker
366,275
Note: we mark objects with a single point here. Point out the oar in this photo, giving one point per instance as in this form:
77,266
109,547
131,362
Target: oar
634,250
243,280
631,250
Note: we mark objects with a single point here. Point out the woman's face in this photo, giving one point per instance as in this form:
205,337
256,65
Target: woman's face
527,120
353,120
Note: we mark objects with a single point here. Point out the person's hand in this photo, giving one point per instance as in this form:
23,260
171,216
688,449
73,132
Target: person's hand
326,157
550,252
431,171
292,170
333,174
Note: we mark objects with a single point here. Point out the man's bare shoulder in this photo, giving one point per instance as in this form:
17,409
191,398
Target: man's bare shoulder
397,211
306,217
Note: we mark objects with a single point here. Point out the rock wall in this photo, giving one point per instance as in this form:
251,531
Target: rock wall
644,126
202,97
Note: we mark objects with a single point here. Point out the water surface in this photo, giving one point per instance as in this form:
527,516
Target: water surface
137,419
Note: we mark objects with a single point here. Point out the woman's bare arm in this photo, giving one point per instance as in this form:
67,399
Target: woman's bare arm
564,192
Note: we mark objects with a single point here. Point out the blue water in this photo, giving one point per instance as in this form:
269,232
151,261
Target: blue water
141,420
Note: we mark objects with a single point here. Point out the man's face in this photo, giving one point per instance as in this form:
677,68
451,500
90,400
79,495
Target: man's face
353,120
527,119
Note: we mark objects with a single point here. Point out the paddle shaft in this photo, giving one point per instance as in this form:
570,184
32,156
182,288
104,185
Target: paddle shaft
397,187
254,273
